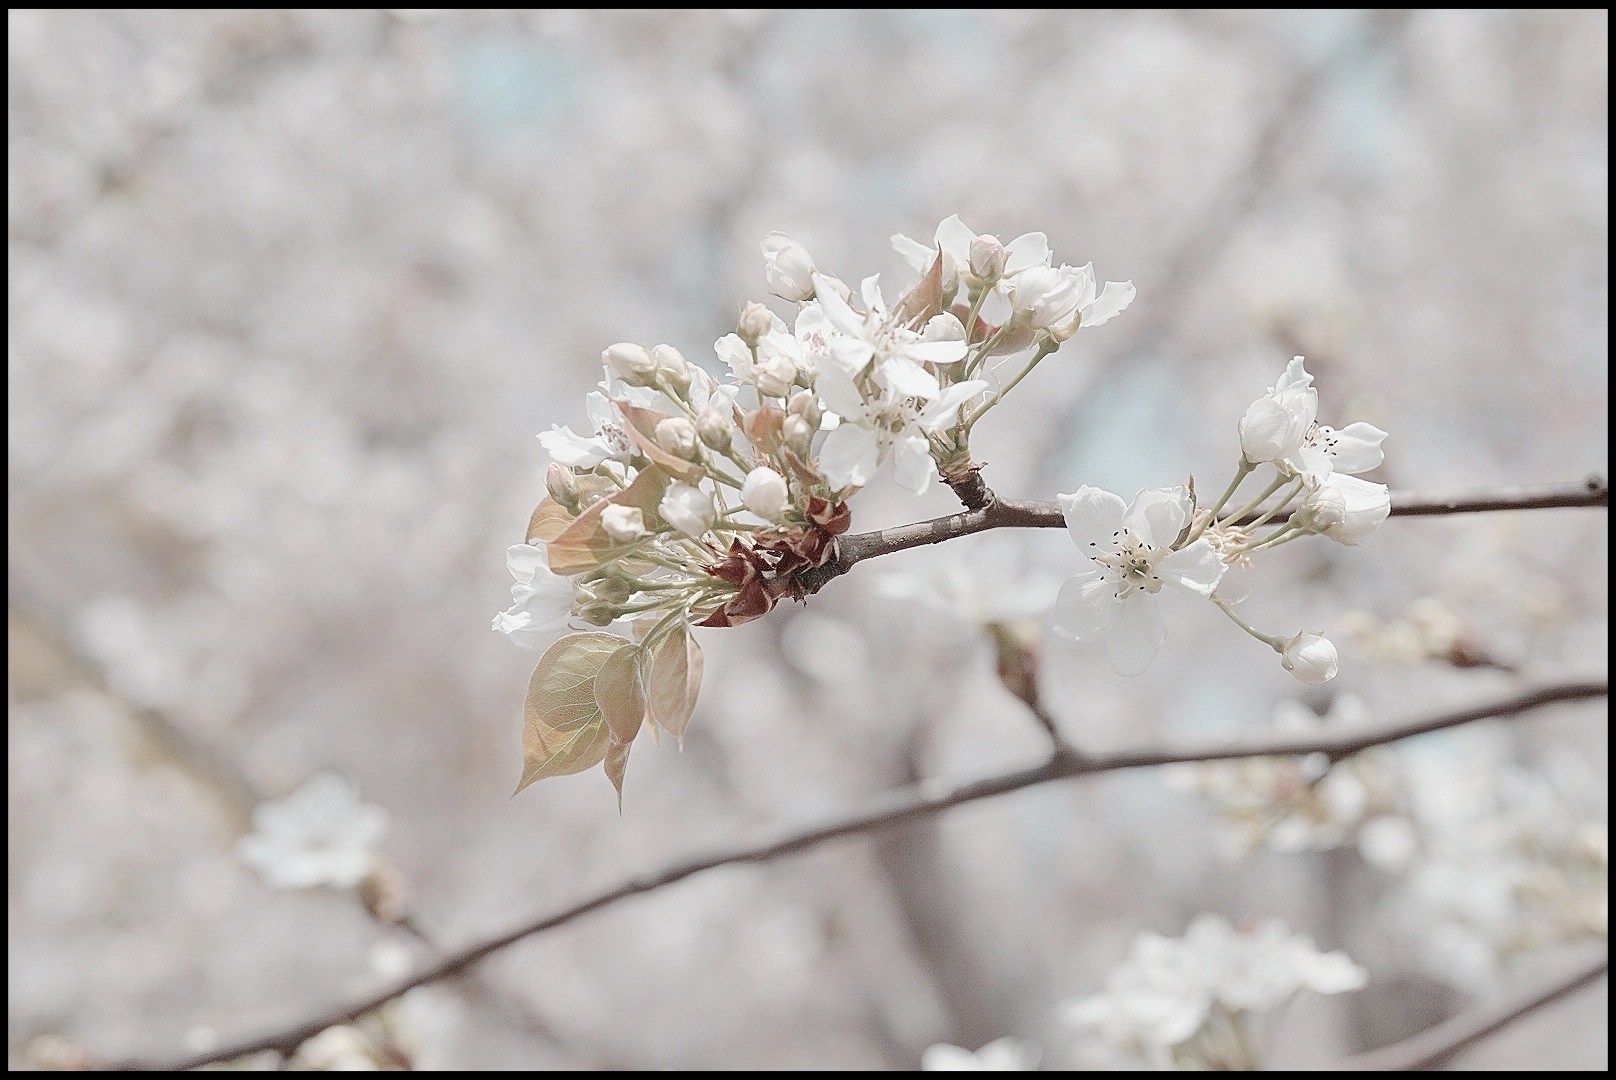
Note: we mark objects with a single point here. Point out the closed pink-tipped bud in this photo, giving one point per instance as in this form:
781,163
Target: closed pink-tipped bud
797,434
562,484
805,403
632,363
987,258
755,321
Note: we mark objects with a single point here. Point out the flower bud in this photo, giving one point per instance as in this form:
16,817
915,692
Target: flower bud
763,428
805,403
632,363
608,586
797,434
562,484
715,428
672,367
807,371
624,524
1345,508
755,321
677,436
1046,298
987,258
788,268
764,492
943,327
1310,657
687,508
774,375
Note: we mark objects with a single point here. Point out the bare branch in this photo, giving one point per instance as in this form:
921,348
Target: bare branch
903,806
1436,1045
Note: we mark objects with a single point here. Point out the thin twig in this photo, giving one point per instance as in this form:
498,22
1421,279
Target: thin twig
897,808
1439,1044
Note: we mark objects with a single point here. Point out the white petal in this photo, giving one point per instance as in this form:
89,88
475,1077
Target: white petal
916,254
912,466
837,310
870,290
835,388
1196,569
526,560
566,447
935,352
851,354
939,414
1094,518
954,237
1086,607
1138,633
907,378
849,456
1026,251
1110,303
1158,515
1357,448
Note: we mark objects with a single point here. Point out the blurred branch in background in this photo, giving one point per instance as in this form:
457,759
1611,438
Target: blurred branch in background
1436,1046
903,807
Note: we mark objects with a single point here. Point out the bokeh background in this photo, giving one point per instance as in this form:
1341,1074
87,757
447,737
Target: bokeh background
291,293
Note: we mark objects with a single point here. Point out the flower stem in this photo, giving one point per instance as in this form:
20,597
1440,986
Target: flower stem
1043,350
1244,470
1273,642
1284,501
1283,535
1279,482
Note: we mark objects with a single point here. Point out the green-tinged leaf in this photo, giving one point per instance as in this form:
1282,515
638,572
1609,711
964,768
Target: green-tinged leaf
585,545
641,424
620,694
616,765
565,731
674,680
550,519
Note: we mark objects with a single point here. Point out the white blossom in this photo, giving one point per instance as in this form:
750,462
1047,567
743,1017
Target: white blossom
541,599
894,422
687,508
1275,426
1310,657
788,268
1008,1054
321,834
1131,546
611,438
958,242
764,493
1061,301
1345,508
624,524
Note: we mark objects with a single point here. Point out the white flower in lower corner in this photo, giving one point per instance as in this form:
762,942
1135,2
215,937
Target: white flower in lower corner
542,600
320,834
1008,1054
1131,546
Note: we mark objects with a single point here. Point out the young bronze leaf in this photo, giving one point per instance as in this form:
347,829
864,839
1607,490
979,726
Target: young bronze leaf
674,679
620,694
550,519
565,732
585,545
925,299
616,765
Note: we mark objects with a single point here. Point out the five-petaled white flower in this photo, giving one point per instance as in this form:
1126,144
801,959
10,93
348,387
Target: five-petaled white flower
955,240
1132,548
321,834
894,421
611,439
542,600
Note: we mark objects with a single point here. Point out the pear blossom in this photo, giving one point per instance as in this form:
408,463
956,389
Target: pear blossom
1008,1054
687,508
1174,1001
1131,546
611,438
878,337
1275,427
1325,451
965,252
894,422
624,524
1345,508
788,268
542,600
764,493
631,363
321,834
1060,301
1310,657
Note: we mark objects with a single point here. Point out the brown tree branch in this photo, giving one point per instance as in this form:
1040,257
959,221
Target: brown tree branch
1436,1045
899,807
997,513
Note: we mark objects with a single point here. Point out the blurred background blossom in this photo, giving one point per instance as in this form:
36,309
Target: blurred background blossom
292,292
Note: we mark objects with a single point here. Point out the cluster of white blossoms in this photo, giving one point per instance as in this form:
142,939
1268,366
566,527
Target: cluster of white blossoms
320,834
1488,860
694,500
1205,1000
1163,538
